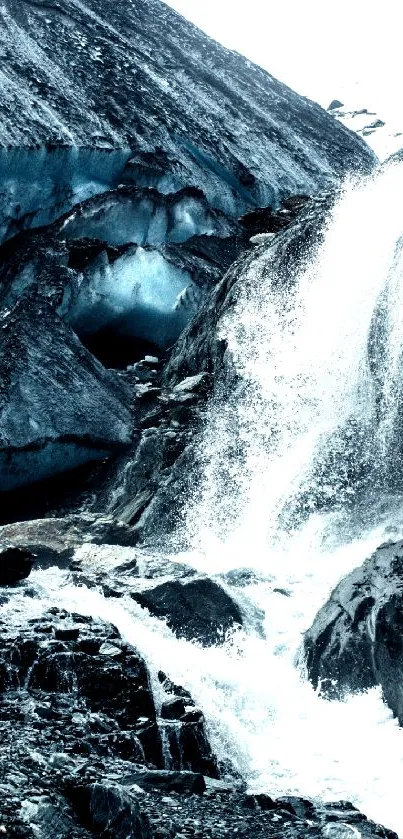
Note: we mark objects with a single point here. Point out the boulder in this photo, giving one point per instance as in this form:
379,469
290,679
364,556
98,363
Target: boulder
15,565
199,609
54,541
355,641
110,811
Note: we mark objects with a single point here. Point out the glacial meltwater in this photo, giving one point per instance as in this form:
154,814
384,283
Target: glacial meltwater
301,484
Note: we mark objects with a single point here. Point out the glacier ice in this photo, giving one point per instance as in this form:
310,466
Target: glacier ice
38,185
140,295
145,217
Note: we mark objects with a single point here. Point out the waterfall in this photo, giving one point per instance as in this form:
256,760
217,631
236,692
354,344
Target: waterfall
298,488
310,424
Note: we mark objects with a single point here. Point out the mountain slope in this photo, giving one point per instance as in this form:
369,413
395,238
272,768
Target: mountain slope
137,76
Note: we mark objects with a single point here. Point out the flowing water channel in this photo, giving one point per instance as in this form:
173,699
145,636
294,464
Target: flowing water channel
301,484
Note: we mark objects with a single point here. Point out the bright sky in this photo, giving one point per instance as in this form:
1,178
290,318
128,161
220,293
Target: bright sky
350,49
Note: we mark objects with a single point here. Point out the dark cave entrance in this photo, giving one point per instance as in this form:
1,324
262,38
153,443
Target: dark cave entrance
116,351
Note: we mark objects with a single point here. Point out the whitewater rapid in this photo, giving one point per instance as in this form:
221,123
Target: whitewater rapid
304,375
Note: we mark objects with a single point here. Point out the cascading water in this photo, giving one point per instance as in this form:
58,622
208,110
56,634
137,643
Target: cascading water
298,489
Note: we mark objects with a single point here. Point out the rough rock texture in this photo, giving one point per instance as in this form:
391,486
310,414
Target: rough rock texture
355,641
197,609
58,406
93,693
84,749
139,487
108,810
133,90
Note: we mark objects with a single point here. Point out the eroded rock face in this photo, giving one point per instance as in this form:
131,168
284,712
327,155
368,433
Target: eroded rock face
355,641
77,712
59,407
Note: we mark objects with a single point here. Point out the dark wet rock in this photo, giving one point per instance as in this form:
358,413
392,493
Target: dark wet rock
355,641
176,690
86,694
173,709
143,486
59,407
110,811
198,609
15,565
73,752
335,103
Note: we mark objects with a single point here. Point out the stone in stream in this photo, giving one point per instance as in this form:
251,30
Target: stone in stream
199,609
15,564
55,540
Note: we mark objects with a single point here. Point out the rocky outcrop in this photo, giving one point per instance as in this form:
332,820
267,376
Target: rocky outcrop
77,711
59,407
355,641
53,541
107,810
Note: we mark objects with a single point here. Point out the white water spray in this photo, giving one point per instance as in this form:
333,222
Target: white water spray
305,377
